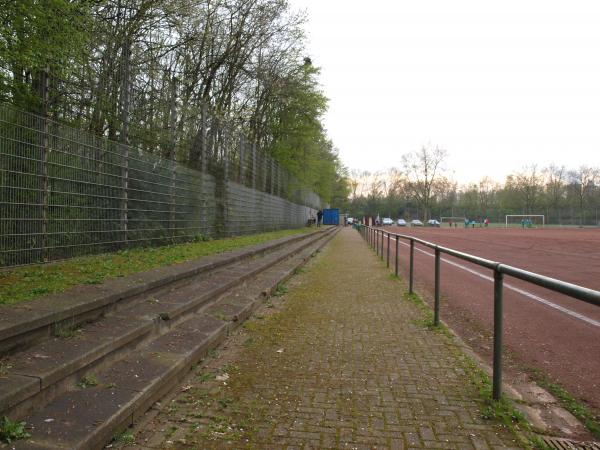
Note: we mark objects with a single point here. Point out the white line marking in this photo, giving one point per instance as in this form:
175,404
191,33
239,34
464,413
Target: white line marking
513,288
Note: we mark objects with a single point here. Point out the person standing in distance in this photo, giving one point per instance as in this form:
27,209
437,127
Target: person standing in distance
319,217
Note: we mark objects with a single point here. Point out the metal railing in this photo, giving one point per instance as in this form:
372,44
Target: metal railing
376,237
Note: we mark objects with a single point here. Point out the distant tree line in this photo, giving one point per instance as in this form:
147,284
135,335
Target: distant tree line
143,72
421,189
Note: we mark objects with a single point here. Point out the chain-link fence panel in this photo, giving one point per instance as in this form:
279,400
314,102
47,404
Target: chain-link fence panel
65,192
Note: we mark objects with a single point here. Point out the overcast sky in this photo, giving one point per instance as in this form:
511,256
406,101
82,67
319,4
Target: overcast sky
499,84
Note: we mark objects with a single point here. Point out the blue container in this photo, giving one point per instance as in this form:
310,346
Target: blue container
331,216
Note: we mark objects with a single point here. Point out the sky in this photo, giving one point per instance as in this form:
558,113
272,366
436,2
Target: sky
500,85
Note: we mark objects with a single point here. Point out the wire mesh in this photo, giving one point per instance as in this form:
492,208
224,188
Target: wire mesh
65,192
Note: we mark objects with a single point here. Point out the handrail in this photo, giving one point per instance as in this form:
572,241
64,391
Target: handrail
372,236
573,290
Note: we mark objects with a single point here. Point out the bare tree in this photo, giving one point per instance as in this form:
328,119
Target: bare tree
527,185
422,169
486,193
583,181
555,186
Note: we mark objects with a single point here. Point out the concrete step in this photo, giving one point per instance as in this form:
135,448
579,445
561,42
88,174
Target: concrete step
42,372
28,322
89,417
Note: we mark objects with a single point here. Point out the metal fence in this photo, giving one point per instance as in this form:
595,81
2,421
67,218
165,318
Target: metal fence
376,238
65,192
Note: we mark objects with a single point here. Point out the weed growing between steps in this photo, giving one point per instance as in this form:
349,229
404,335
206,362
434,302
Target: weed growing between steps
88,381
66,330
281,289
11,431
26,283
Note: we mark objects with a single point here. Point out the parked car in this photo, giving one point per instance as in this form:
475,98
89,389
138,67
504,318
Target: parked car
433,223
387,221
401,223
350,220
416,223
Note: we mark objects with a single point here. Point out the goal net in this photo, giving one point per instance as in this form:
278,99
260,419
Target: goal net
452,220
525,220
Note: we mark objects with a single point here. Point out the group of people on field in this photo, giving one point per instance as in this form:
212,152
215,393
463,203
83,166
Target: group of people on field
482,222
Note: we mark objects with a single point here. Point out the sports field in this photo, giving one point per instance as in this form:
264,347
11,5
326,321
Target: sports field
543,330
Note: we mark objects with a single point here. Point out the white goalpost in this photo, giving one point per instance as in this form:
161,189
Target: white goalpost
452,219
525,220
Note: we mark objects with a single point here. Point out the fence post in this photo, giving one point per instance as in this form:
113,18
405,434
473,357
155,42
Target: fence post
242,147
226,156
412,267
254,165
376,242
272,176
203,137
436,309
265,161
44,86
203,169
125,104
382,239
498,294
172,201
397,251
388,250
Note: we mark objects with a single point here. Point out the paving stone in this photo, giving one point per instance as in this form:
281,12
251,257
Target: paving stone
347,363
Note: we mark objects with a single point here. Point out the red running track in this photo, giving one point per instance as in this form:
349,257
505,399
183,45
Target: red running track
546,330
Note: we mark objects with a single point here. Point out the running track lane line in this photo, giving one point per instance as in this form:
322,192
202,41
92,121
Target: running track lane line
513,288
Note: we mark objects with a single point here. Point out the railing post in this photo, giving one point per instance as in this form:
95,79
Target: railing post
377,242
397,251
498,294
388,250
412,266
436,309
381,254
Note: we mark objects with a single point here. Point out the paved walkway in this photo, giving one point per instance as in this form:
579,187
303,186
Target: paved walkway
340,361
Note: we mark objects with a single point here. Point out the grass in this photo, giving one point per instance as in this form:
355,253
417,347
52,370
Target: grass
11,431
26,283
4,368
127,437
65,330
87,381
281,289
